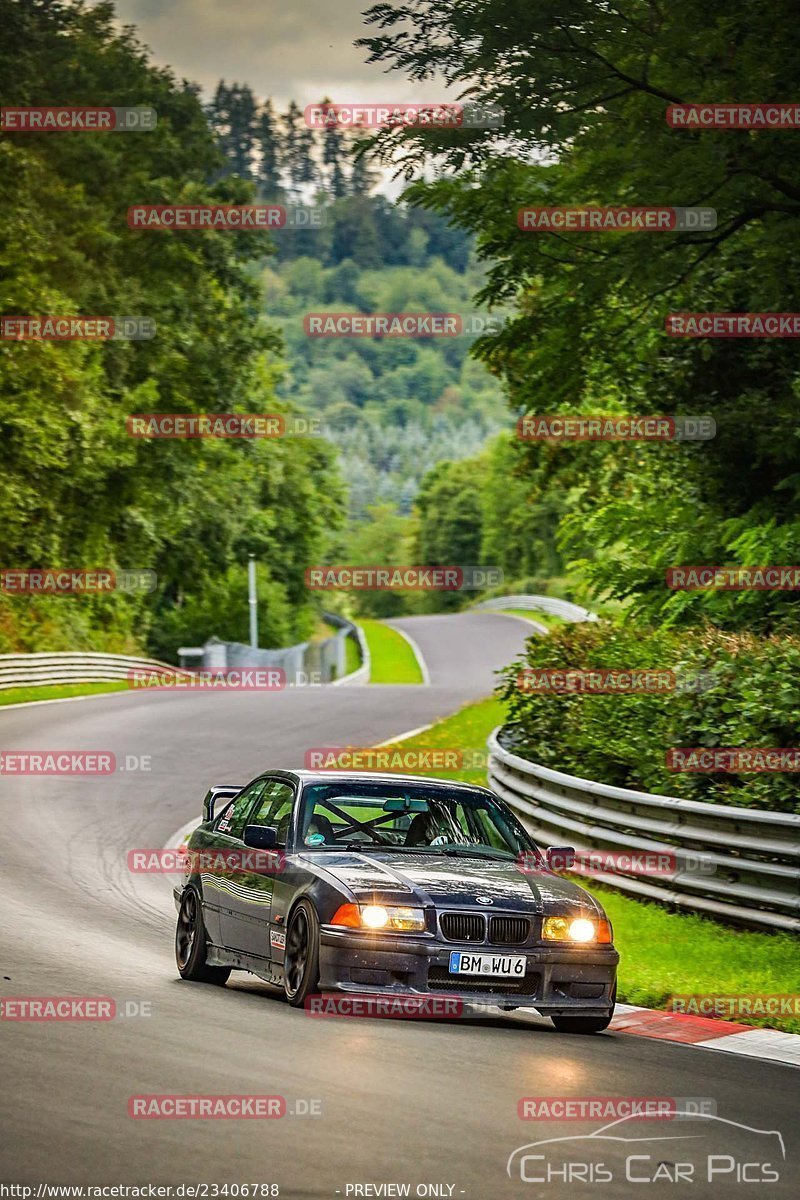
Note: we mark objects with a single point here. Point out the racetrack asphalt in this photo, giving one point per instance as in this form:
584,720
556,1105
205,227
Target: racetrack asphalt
412,1102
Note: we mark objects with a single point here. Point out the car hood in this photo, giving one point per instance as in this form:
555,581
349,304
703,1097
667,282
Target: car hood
450,882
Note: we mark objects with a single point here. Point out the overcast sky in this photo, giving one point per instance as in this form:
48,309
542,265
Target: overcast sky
289,49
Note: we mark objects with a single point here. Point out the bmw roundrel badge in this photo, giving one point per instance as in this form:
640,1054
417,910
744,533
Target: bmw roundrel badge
484,900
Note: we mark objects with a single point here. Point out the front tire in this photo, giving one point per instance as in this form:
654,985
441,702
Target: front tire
191,944
301,957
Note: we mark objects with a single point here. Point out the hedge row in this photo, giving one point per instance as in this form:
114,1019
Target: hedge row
733,690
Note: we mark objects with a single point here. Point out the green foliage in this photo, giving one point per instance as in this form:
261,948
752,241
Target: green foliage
381,540
623,739
221,609
449,529
519,518
393,407
77,490
665,953
589,336
477,511
393,410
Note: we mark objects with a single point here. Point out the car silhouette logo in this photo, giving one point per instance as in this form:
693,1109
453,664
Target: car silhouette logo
598,1136
484,900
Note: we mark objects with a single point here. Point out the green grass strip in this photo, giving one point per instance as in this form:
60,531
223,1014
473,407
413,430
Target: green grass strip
23,695
391,658
352,657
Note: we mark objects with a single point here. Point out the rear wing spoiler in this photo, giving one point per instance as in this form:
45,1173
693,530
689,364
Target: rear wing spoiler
220,791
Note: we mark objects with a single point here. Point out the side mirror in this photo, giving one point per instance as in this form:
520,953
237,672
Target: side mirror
560,858
261,837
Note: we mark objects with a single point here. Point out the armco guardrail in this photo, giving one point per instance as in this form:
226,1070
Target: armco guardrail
546,604
350,629
308,660
736,864
32,670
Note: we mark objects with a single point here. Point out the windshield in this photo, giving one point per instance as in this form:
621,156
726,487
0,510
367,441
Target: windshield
410,818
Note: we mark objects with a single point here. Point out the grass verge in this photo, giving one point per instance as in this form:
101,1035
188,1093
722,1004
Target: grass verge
665,953
23,695
391,658
662,953
352,656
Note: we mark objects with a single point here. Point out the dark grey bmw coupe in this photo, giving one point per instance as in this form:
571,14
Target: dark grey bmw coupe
322,882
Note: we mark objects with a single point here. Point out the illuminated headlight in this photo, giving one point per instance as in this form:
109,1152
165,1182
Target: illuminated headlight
575,929
377,916
581,930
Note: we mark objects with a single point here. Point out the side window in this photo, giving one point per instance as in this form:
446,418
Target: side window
275,808
233,818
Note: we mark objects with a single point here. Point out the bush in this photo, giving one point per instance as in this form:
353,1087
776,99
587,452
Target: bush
751,701
222,611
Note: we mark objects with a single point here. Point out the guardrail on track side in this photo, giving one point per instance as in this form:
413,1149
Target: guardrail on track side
736,864
546,604
318,660
32,670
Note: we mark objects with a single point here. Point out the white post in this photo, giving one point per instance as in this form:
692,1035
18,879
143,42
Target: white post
252,600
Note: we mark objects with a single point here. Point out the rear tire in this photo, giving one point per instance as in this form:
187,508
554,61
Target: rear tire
191,944
301,956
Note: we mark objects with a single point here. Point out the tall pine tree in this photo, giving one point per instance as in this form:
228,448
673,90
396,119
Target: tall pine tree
268,143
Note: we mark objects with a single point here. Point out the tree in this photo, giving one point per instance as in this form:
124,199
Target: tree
269,150
219,120
188,510
243,119
333,157
449,530
232,114
519,524
363,176
355,235
589,333
381,541
298,146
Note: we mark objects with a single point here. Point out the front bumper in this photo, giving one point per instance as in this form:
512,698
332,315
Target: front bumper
558,979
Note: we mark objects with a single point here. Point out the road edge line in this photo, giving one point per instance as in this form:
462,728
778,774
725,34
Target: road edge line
418,655
65,699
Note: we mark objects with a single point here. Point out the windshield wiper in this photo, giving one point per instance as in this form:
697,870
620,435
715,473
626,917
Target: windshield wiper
360,846
388,848
448,851
481,851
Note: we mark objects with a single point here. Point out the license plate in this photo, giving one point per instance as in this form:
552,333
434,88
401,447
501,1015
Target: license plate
463,963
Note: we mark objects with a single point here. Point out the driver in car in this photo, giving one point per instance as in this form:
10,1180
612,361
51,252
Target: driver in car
426,829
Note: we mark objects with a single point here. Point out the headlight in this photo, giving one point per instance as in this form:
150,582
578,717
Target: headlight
377,916
374,916
575,929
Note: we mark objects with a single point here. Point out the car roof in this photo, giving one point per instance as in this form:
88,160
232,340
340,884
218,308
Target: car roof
303,776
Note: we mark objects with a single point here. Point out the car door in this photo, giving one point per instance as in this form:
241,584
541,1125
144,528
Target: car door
246,919
220,883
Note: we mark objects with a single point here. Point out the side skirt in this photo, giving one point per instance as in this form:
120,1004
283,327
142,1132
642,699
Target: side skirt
218,956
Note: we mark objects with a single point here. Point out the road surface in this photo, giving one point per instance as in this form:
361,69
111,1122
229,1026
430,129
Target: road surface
414,1103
